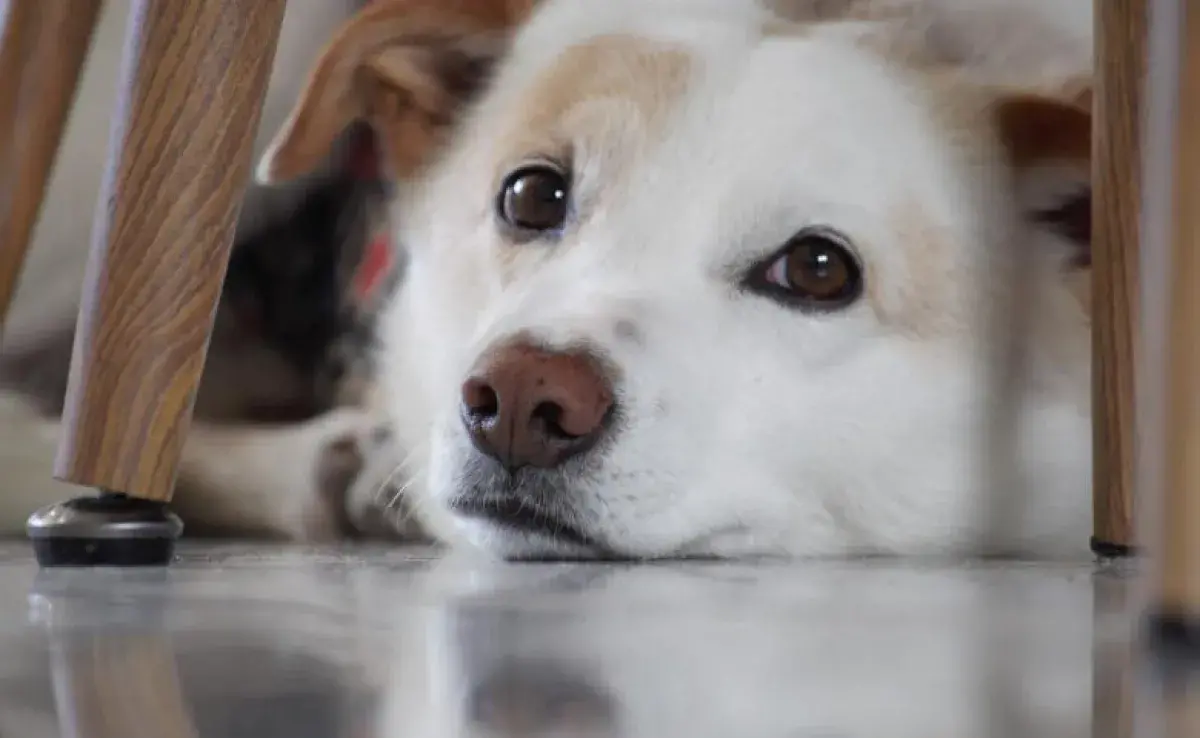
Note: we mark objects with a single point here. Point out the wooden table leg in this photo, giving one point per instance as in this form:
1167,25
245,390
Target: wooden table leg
194,76
1177,615
42,50
1120,67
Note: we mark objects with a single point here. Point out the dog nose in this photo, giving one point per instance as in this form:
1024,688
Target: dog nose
530,407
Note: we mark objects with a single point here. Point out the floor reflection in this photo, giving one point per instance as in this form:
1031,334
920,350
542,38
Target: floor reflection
391,645
855,650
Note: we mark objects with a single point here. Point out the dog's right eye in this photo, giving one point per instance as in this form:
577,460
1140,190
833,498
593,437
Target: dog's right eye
534,199
815,270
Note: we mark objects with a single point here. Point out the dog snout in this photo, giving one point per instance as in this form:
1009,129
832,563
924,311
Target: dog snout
526,406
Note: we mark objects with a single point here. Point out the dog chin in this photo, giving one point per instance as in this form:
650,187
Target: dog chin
511,544
500,540
523,514
535,514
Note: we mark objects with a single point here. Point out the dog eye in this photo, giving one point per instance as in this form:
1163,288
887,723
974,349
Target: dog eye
815,269
534,199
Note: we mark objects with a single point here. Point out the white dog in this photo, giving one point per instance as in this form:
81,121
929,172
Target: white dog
731,277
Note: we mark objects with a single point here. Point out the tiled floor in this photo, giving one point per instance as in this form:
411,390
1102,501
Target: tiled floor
270,643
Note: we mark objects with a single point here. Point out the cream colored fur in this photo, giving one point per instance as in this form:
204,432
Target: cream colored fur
898,426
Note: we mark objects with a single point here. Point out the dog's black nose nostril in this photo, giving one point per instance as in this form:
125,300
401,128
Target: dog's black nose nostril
529,407
480,401
550,414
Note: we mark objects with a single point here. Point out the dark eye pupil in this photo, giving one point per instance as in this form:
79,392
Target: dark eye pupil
813,270
817,263
535,199
818,269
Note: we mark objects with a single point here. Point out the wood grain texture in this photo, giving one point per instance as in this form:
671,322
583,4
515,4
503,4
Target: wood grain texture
1121,27
123,685
42,50
1179,548
194,77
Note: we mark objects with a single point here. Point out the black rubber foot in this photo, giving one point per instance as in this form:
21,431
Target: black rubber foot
1106,550
61,552
1175,637
107,530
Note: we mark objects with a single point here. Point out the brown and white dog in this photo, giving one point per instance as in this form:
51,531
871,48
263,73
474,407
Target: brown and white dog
729,277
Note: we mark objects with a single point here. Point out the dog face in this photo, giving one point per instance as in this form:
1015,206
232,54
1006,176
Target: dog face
717,278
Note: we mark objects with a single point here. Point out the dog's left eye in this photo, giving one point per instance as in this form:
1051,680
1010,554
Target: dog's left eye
815,270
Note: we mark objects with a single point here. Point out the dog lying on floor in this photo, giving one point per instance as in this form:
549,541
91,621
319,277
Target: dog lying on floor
729,277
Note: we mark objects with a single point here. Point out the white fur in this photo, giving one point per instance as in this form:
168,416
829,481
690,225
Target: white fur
750,428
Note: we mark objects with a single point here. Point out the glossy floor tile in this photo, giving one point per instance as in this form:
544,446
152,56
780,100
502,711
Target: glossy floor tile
236,642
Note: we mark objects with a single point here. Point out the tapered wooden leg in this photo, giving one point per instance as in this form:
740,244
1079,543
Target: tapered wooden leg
1178,560
194,76
1120,64
196,72
42,50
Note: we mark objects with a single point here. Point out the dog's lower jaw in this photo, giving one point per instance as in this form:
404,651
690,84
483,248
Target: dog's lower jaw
728,544
498,537
502,542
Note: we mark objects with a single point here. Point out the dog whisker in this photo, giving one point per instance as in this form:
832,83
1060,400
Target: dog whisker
388,480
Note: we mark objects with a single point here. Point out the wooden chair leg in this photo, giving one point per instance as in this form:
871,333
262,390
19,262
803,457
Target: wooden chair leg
1178,560
195,74
1120,66
42,50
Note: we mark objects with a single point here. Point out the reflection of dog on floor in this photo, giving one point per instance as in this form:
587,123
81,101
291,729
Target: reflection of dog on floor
290,341
730,277
523,651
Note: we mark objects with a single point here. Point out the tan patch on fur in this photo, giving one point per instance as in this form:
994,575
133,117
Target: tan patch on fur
919,305
613,94
623,69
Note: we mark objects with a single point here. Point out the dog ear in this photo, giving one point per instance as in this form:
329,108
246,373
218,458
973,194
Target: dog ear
1048,141
403,66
